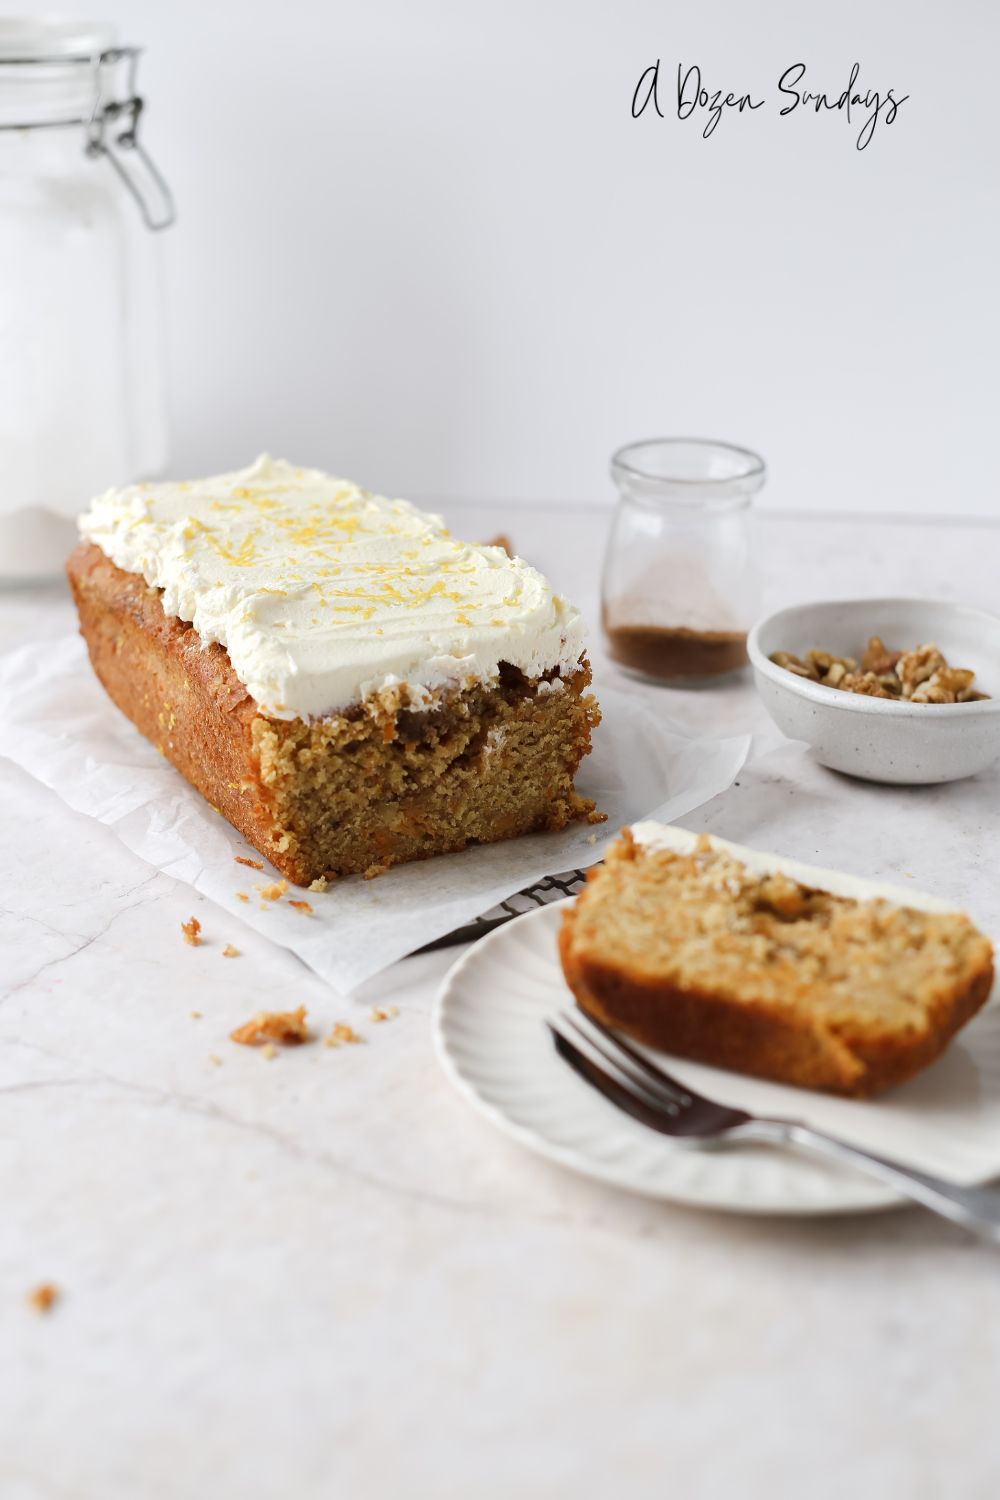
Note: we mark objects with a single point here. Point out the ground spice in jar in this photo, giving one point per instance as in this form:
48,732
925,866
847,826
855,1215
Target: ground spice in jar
667,653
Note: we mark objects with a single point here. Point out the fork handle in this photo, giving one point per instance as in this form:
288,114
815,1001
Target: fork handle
976,1209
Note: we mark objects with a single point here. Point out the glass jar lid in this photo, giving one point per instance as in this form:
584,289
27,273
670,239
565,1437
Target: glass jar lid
64,74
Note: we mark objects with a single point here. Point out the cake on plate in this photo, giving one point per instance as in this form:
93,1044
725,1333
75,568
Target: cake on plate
344,681
752,962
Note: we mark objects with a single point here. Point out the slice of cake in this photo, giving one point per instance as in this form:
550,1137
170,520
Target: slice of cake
748,961
345,682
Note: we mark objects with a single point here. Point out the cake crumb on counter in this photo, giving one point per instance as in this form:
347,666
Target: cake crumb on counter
242,896
230,952
192,932
196,1015
43,1297
320,883
286,1027
303,906
342,1035
383,1013
272,892
268,1051
254,864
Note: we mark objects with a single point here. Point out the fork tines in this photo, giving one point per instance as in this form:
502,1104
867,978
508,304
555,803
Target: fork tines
605,1050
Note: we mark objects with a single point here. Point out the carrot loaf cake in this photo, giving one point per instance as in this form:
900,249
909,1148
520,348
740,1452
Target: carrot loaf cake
750,962
345,682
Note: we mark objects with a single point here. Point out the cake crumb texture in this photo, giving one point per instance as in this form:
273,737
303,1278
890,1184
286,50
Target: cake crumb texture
697,955
272,892
387,784
342,1035
286,1027
383,1013
192,932
43,1297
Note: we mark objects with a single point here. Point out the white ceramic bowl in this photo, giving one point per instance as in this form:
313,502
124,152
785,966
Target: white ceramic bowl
880,739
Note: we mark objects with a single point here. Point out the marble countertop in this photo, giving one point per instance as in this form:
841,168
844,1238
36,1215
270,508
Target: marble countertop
322,1275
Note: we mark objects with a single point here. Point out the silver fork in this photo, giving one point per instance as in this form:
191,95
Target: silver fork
627,1078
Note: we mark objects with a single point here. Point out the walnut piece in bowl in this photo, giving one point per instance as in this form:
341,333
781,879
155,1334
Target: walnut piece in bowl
884,714
918,676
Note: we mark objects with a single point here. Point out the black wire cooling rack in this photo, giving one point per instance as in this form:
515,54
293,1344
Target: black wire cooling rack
552,888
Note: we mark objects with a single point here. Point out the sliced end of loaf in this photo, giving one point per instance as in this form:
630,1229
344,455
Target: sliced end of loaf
627,958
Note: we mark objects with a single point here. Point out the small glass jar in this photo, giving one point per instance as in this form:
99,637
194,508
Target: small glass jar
82,389
680,589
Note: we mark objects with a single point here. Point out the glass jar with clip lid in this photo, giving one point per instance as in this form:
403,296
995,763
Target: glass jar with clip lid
82,399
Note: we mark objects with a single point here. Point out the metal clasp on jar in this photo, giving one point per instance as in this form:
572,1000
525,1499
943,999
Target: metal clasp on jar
122,147
111,125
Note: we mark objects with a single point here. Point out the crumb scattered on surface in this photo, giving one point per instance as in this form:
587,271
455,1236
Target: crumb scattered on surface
303,906
268,1051
287,1027
254,864
230,952
272,892
192,930
384,1012
591,838
196,1015
215,1059
43,1297
319,884
242,896
342,1035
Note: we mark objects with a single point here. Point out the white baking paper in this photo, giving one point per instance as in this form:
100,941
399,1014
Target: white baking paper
59,726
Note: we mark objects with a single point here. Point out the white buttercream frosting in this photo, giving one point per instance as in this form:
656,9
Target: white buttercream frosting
660,836
324,594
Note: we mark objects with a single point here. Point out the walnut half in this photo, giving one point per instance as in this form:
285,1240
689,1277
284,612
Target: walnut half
943,686
915,667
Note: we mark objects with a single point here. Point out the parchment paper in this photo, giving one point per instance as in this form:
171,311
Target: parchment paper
59,725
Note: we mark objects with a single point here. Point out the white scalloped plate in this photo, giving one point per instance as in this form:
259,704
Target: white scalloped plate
490,1037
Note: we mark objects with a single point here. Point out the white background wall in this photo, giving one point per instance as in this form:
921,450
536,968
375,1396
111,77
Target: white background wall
423,243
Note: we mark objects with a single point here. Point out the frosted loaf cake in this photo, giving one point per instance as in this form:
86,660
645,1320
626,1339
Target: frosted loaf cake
349,685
